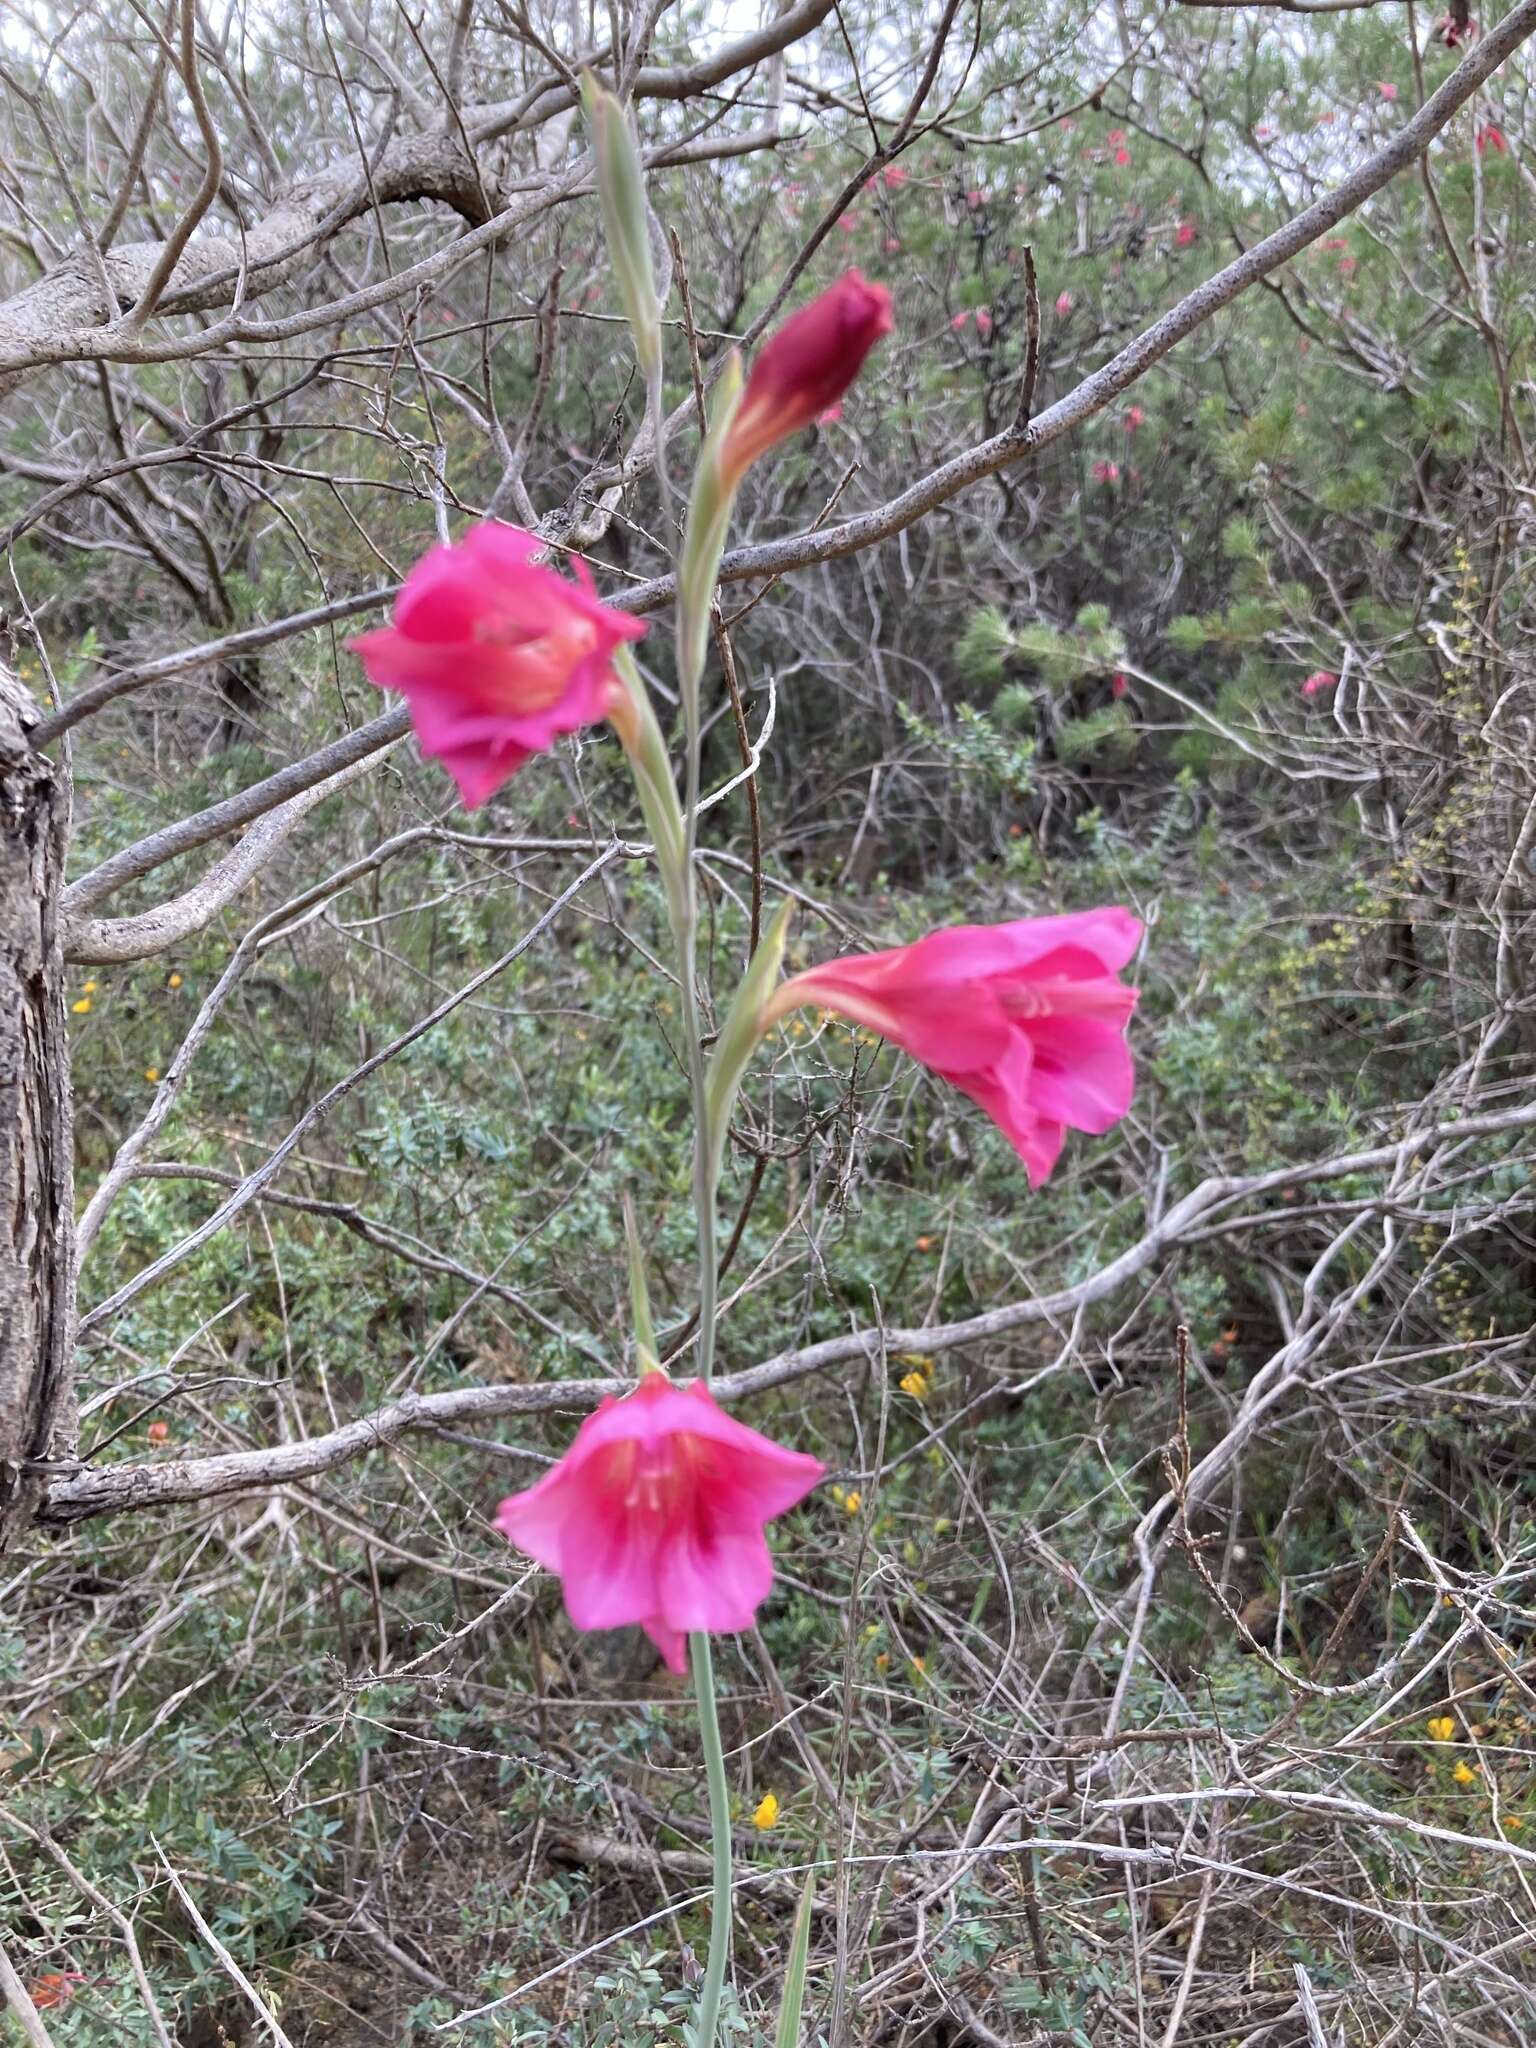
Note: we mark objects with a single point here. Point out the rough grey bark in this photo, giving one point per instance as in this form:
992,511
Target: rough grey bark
37,1406
68,302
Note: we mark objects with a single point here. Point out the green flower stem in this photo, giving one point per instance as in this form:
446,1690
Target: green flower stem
705,1177
720,1844
705,1151
621,182
675,835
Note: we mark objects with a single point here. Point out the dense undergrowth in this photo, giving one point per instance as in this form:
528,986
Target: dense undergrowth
395,1783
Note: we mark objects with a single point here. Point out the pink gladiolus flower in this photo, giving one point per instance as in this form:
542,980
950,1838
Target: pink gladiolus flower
1322,679
655,1515
1064,304
1106,472
894,176
1028,1018
1134,418
1386,88
975,198
983,322
1118,684
1185,233
806,367
496,656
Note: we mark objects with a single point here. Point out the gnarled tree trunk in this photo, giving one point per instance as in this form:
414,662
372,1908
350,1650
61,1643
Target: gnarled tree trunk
37,1406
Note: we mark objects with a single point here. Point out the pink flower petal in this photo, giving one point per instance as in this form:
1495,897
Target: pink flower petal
713,1579
497,655
1028,1018
655,1515
1083,1074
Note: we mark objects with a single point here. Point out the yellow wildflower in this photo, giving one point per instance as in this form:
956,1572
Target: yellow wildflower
151,1073
173,981
920,1667
82,1007
766,1814
1464,1774
883,1661
914,1384
853,1501
90,988
1441,1728
1513,1823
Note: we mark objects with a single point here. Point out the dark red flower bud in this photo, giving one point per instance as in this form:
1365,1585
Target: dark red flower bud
805,368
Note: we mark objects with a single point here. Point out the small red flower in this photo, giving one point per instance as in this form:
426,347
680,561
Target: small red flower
55,1988
1065,303
894,176
849,223
1318,682
983,322
1490,137
805,367
1386,88
1118,684
975,198
1122,156
831,416
1185,233
159,1432
960,322
1106,472
1134,418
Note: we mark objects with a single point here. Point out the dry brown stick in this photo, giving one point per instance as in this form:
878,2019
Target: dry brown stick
228,647
78,1495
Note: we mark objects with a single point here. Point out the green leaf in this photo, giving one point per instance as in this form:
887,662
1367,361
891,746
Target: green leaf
621,187
647,1356
743,1027
787,2033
